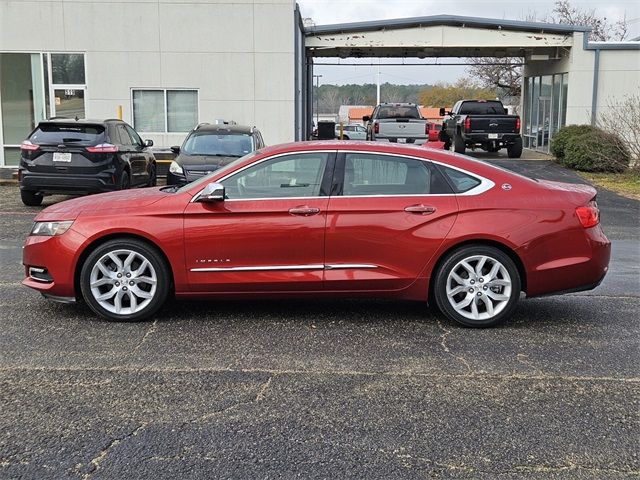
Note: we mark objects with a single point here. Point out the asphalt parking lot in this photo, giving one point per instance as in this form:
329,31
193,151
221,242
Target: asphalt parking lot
324,389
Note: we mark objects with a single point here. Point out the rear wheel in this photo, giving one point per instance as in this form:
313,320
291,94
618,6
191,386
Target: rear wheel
30,199
125,181
458,144
345,137
515,150
477,286
125,280
153,175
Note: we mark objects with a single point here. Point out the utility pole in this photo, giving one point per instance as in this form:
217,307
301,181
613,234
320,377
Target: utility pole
378,87
317,77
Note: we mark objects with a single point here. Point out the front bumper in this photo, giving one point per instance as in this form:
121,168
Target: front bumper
51,183
57,256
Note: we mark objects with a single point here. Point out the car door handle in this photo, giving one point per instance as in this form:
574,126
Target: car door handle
304,211
420,209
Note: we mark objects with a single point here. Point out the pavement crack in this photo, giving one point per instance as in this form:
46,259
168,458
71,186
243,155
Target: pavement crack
524,359
95,462
258,398
447,350
152,328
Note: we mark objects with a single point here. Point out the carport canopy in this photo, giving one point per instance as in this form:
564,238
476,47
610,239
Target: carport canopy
440,36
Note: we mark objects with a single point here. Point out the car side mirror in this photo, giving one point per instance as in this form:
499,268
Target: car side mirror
148,143
175,149
366,118
213,192
443,112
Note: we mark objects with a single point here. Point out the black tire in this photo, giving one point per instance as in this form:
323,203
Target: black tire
125,181
345,137
476,287
30,199
446,146
515,150
458,144
124,286
153,175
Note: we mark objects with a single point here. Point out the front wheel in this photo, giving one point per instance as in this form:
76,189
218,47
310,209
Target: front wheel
125,280
153,175
458,144
125,181
477,286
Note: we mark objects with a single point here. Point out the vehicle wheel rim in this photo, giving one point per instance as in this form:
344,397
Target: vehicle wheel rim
123,282
479,287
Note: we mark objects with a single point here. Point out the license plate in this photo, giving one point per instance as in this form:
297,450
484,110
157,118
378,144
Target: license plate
493,135
61,157
402,140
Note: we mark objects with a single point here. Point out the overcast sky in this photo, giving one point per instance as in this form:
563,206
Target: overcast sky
341,11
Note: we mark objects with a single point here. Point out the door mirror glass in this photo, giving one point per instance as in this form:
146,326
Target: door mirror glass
213,192
148,143
366,118
442,112
175,149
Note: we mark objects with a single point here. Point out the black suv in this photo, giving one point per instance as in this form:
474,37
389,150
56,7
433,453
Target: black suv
83,156
209,147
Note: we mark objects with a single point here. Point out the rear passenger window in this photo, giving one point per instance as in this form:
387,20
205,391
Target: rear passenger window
460,181
370,174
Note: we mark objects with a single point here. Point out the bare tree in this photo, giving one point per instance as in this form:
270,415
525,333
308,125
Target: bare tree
507,77
391,94
623,119
602,29
498,73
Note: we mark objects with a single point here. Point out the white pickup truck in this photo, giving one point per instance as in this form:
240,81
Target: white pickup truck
397,122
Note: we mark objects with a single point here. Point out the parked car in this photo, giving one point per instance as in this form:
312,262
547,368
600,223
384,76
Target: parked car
481,123
326,219
433,130
63,156
352,132
210,146
396,122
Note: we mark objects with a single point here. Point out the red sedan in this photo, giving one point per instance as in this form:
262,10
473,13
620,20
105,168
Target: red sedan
325,219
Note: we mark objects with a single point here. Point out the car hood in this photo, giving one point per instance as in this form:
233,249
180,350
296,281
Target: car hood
204,162
105,202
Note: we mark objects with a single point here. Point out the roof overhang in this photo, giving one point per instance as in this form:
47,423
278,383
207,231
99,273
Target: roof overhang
440,36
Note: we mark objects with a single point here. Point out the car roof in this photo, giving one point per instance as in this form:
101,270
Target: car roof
82,121
224,128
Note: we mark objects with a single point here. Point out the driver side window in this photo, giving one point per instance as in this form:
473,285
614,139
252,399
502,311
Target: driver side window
298,175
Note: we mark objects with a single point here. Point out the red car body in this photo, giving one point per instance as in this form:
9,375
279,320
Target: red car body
374,246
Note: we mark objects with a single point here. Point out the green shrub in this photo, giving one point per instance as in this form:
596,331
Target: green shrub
596,151
560,138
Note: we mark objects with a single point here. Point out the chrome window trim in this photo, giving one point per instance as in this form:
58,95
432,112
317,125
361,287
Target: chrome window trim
195,197
270,268
484,185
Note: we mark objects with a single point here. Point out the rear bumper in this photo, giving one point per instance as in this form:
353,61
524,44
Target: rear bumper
399,139
484,137
582,269
51,183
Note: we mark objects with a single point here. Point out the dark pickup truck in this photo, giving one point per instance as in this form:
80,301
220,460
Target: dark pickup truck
481,124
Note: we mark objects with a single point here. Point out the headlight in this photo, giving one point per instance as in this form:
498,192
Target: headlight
49,229
175,168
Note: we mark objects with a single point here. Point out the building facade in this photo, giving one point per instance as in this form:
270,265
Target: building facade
166,64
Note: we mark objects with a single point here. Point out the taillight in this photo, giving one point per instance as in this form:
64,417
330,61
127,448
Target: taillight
376,127
517,124
103,148
589,215
467,124
27,146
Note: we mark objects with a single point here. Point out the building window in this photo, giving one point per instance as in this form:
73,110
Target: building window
159,111
545,109
65,84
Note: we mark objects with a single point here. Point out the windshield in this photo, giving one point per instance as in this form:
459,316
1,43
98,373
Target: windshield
223,170
55,133
213,143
